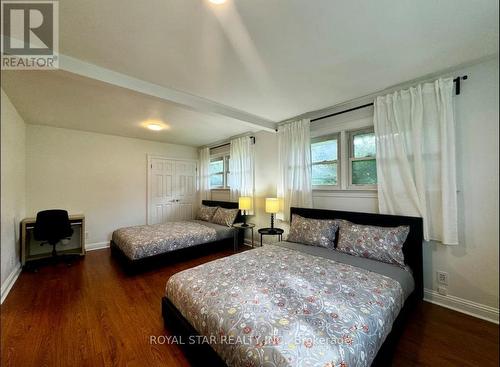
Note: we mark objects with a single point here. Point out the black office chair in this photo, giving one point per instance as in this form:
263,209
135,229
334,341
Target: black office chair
51,227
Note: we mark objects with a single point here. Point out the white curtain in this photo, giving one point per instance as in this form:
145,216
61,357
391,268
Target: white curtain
241,168
204,175
294,167
415,137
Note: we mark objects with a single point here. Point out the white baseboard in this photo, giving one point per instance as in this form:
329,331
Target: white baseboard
9,282
96,246
471,308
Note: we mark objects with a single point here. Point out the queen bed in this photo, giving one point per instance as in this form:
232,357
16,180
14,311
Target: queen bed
291,304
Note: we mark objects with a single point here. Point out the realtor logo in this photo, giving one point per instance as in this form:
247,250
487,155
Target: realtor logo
30,35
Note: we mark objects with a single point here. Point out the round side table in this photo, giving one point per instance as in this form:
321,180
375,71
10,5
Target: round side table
271,232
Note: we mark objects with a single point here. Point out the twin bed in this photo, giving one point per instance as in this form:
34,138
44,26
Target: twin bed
290,304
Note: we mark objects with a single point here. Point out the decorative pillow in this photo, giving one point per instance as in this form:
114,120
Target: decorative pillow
225,217
206,213
379,243
314,232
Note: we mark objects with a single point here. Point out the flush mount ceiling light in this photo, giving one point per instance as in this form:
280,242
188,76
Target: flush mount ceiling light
217,2
154,127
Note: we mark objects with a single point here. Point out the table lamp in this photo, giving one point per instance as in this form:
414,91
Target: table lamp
244,204
273,207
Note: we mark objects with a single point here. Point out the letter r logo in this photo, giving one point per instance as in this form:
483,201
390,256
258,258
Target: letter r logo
28,28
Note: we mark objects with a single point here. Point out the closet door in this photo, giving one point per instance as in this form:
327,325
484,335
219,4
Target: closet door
171,190
161,191
185,192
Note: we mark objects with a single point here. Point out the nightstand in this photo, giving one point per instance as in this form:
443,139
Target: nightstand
241,226
271,232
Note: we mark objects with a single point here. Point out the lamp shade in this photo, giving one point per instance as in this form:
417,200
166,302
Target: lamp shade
272,205
245,203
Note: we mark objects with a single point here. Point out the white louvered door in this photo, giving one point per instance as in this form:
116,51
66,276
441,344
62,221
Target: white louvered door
171,189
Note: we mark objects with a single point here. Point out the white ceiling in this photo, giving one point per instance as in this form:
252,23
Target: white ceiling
272,59
64,100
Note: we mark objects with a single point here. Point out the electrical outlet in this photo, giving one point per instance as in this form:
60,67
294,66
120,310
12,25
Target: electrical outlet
442,277
443,291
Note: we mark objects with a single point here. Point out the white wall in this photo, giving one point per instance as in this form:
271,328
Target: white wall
101,176
13,172
473,265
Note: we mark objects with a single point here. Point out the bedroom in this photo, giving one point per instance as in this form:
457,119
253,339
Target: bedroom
151,109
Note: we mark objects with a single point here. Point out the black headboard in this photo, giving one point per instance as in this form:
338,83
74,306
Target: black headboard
412,248
226,205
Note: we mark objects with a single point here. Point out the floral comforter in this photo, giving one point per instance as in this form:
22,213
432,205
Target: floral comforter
143,241
274,306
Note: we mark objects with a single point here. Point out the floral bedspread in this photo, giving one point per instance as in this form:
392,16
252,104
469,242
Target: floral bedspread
274,306
142,241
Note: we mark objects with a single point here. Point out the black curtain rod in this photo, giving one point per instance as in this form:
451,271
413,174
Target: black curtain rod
223,145
457,92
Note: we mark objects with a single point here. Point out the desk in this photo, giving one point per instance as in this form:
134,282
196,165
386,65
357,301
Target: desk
31,249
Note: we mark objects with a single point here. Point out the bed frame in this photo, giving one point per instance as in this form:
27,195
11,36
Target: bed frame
204,355
151,262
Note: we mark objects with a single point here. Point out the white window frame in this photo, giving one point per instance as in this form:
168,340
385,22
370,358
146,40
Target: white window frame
335,136
224,157
350,137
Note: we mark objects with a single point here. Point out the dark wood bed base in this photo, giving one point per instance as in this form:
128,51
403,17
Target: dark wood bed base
151,262
203,354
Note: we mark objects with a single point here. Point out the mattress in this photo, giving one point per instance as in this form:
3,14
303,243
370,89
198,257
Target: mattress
221,232
139,242
291,305
402,275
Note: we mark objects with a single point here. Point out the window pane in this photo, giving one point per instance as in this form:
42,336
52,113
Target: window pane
364,172
324,151
364,145
324,174
216,167
216,180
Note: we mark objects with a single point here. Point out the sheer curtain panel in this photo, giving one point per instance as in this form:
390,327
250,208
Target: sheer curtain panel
415,137
204,175
294,167
241,168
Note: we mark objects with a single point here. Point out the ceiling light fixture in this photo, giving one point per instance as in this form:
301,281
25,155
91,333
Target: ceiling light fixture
217,2
155,127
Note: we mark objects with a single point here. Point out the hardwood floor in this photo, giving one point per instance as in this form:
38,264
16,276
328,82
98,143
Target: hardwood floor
92,314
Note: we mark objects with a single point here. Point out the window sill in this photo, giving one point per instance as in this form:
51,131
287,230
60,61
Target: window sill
350,193
220,189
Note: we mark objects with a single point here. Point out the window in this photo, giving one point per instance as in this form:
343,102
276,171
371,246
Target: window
345,160
324,155
362,158
219,172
